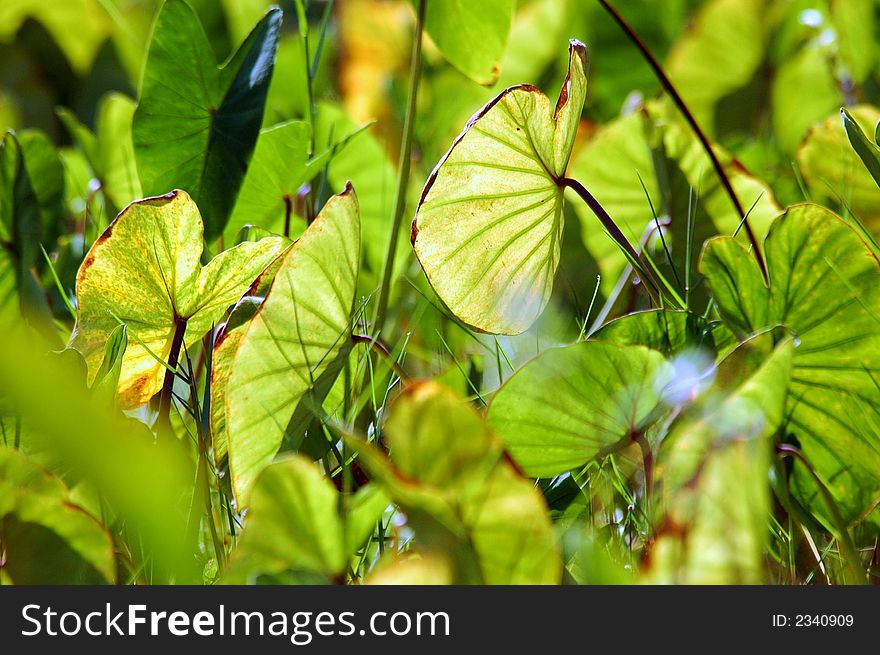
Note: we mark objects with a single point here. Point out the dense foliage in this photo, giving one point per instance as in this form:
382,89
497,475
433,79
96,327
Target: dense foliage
267,319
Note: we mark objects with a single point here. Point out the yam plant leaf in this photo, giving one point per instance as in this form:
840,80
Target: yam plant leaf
145,270
463,497
834,168
866,149
471,35
300,329
47,539
712,477
571,405
489,222
294,526
824,287
196,125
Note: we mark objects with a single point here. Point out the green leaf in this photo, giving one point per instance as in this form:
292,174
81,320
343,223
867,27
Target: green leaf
301,328
491,210
831,166
294,526
471,35
464,499
280,166
726,35
571,405
866,150
824,286
107,377
669,332
854,23
145,271
111,153
712,475
47,539
662,153
196,125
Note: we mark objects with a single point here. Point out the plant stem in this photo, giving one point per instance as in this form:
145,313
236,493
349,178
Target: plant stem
170,373
647,461
689,117
850,553
288,210
415,71
383,350
651,284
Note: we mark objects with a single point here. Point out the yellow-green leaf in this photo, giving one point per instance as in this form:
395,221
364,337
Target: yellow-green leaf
146,270
300,329
489,222
464,499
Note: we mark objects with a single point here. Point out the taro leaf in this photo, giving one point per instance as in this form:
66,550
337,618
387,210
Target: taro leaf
300,329
294,527
145,271
727,35
110,153
196,125
471,35
463,497
824,286
418,569
571,405
713,471
670,332
47,539
489,221
831,167
279,167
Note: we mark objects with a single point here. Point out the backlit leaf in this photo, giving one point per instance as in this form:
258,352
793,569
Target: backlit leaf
301,328
571,405
146,269
491,211
824,287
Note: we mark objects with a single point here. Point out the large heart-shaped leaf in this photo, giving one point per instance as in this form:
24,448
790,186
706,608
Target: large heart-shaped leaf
463,497
712,471
294,527
824,287
46,538
196,125
489,221
571,405
301,328
471,35
145,270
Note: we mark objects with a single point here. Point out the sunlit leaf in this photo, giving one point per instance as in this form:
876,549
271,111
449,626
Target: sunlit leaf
196,125
866,149
571,405
463,498
471,35
670,332
824,286
492,209
301,328
146,271
294,526
713,470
